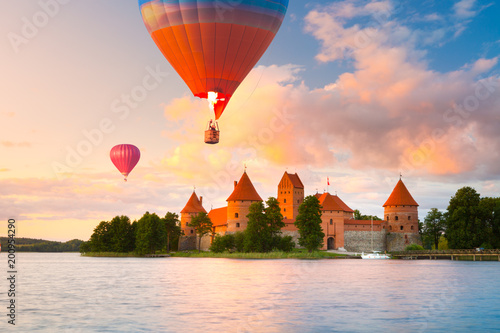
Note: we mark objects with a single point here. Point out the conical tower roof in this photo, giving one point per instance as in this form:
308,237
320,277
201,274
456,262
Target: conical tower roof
244,190
400,196
193,205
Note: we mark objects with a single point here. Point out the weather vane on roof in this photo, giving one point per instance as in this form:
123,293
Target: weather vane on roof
400,176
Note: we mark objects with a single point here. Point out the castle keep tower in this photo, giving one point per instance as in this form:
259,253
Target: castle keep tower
238,204
290,195
401,211
192,208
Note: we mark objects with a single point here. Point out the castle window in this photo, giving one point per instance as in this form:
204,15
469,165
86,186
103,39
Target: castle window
409,218
411,227
236,215
390,227
396,218
187,224
387,217
284,209
401,227
284,218
331,221
237,225
297,201
192,231
285,201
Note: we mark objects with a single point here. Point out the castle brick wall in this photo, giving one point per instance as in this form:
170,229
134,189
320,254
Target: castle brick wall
361,241
185,220
401,219
187,243
397,241
332,223
366,226
239,223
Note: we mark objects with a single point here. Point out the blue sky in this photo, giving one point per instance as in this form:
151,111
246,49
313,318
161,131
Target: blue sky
364,89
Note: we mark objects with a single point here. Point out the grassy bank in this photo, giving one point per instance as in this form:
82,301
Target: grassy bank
111,254
297,254
270,255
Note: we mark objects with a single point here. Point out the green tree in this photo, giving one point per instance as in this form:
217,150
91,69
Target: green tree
274,216
274,221
122,235
258,235
358,216
150,234
101,239
463,223
222,243
308,223
434,226
489,212
172,228
203,226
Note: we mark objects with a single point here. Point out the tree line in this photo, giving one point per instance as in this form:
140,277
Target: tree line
40,245
147,235
263,233
470,221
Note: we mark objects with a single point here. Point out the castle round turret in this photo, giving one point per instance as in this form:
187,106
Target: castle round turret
193,207
238,204
401,210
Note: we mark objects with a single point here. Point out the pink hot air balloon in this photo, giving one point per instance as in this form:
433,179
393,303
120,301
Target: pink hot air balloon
125,158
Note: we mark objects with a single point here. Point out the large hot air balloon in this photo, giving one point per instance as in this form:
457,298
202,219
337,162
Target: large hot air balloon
213,44
125,158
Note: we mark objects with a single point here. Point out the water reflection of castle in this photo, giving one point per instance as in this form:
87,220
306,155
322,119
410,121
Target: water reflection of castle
398,229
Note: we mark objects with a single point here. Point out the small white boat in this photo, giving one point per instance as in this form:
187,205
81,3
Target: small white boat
374,255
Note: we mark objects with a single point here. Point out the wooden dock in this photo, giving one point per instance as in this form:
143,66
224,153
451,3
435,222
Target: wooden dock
466,255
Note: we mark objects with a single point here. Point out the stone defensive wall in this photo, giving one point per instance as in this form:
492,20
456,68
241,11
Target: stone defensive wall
361,241
399,241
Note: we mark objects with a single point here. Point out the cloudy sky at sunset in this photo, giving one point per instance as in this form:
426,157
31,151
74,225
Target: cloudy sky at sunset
357,91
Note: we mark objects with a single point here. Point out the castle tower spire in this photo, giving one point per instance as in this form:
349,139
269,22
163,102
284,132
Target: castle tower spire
401,210
238,203
193,207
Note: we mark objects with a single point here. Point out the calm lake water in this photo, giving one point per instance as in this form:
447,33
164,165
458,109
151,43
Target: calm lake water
69,293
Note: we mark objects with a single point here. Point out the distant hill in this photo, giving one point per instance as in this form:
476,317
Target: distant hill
40,245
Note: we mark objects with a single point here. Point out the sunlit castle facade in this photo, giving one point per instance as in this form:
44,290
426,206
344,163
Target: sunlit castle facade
398,229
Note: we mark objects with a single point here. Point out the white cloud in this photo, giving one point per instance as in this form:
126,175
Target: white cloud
464,9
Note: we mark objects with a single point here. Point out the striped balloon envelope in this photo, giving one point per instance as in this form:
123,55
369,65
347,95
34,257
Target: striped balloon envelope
125,158
213,44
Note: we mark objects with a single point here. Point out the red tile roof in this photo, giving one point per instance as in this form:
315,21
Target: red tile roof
193,205
339,201
328,203
244,190
332,202
400,196
295,180
218,216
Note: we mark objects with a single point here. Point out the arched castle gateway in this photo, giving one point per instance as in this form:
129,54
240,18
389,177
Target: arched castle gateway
398,229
